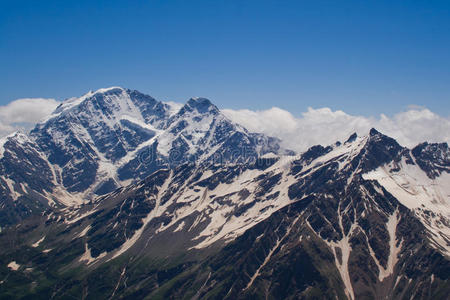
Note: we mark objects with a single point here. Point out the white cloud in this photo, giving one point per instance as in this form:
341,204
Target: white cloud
324,126
22,114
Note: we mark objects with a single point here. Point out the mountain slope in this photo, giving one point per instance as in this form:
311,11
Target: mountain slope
328,223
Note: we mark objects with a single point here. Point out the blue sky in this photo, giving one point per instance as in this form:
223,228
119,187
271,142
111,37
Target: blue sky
364,57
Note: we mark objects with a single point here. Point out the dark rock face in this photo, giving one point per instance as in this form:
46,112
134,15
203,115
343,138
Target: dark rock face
111,228
432,158
202,105
25,178
352,138
379,150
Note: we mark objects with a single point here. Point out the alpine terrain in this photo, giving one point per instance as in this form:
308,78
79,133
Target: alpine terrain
119,196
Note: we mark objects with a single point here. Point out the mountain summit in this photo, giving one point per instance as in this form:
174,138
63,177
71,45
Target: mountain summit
202,105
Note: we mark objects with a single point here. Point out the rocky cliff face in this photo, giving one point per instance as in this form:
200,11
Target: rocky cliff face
366,219
26,179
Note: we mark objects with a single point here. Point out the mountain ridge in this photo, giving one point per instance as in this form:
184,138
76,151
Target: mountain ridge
213,211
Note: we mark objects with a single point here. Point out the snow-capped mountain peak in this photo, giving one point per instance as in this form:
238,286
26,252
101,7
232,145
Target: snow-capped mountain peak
75,101
114,136
202,105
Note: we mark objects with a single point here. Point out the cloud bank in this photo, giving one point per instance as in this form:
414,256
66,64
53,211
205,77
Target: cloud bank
22,114
324,126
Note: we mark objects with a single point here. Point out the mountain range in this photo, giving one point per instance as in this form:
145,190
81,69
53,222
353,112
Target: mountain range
117,195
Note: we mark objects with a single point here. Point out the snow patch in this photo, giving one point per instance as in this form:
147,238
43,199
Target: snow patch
87,257
179,227
85,230
38,242
14,194
221,226
13,266
394,250
80,217
345,247
174,107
